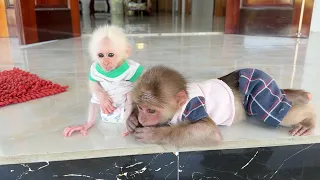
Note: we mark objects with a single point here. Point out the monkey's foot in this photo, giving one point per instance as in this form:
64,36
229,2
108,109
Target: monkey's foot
298,96
301,130
308,96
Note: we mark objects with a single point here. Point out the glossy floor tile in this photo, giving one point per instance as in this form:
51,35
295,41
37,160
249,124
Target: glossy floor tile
269,163
298,162
157,23
32,131
146,167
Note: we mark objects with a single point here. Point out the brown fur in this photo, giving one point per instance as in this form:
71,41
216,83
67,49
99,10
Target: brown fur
210,134
158,85
298,96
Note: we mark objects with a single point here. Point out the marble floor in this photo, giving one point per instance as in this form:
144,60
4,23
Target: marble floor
157,23
32,131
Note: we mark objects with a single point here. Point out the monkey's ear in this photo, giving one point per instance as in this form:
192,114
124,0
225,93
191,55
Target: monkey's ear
181,97
128,51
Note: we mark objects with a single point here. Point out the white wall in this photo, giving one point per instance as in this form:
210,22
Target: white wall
202,8
310,78
315,21
202,14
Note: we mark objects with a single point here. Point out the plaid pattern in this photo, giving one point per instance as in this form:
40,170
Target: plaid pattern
195,109
262,96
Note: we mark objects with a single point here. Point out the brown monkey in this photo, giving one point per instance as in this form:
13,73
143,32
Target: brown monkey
168,110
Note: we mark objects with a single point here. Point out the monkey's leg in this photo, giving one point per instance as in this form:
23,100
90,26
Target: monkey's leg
297,96
303,119
266,101
301,115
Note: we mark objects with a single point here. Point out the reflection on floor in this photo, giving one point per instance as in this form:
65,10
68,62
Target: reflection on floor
158,23
270,22
28,130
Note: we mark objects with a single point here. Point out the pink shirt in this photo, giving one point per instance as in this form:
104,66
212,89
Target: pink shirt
219,102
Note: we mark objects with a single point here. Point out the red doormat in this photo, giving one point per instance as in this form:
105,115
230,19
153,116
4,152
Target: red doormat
18,86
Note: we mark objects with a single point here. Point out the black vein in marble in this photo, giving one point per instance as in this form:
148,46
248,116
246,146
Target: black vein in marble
299,162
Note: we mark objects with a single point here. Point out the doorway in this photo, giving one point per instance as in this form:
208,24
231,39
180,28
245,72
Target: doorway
286,18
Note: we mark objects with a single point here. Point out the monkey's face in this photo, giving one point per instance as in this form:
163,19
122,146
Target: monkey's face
153,111
151,115
109,56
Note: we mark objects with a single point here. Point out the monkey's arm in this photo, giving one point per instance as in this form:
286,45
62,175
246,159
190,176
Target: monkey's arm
128,106
93,110
96,88
298,96
202,132
103,97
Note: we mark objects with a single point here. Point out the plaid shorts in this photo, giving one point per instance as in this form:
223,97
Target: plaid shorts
263,99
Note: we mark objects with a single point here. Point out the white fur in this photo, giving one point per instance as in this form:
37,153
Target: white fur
113,33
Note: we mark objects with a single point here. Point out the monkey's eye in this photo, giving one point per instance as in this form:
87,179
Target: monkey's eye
110,55
151,111
139,107
100,55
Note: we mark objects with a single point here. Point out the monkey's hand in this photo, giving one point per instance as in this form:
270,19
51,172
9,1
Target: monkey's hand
104,99
132,123
151,134
83,129
200,133
106,104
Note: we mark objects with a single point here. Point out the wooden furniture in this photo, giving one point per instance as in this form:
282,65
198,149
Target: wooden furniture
137,5
220,8
44,20
268,17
